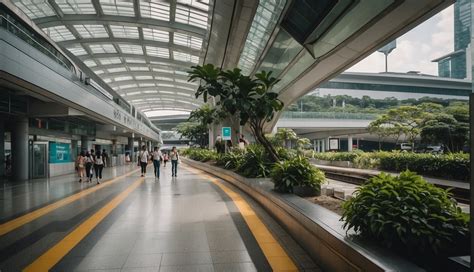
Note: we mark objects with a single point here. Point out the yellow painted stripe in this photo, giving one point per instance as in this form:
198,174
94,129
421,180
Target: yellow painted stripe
57,252
24,219
271,248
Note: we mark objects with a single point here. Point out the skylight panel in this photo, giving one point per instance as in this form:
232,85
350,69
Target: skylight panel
76,6
129,32
191,16
150,92
128,86
90,63
102,48
133,60
122,78
162,70
107,80
35,8
202,5
59,33
139,68
91,31
187,40
117,70
185,57
183,73
158,52
77,50
163,78
143,77
131,49
142,85
108,61
155,35
154,9
118,7
99,72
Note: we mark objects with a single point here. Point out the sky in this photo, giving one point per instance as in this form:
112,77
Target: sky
415,50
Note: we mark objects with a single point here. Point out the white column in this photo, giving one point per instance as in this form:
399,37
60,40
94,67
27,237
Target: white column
349,143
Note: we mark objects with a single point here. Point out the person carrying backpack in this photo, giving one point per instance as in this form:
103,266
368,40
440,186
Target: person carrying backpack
98,166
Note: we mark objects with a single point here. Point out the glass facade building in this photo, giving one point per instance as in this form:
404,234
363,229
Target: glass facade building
454,65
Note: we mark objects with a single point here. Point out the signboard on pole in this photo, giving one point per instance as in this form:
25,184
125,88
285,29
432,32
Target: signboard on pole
333,143
226,133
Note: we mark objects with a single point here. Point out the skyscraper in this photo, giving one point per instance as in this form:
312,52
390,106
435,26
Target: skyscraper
454,64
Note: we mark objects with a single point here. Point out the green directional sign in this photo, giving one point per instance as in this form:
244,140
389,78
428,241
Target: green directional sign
226,133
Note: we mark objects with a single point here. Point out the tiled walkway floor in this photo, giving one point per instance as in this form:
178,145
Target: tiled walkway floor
181,224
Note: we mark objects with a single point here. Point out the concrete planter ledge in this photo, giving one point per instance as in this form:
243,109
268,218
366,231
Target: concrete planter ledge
317,229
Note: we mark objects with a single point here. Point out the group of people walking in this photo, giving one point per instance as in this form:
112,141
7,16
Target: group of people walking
88,163
158,157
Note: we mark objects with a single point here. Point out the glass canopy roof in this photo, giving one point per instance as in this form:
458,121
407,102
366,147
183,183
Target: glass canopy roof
141,48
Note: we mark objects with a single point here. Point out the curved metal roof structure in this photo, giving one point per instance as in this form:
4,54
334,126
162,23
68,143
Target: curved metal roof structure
140,48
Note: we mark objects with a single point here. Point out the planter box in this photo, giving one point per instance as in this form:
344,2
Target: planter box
334,163
306,191
318,230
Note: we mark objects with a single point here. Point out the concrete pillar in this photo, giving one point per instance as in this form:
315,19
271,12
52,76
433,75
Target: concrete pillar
85,143
74,149
471,156
114,148
2,148
130,148
20,160
349,143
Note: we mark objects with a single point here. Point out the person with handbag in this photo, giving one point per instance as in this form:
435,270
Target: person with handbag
89,163
174,161
143,160
98,166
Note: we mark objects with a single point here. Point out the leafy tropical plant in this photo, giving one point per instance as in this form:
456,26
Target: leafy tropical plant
231,160
199,154
296,171
249,98
255,162
406,213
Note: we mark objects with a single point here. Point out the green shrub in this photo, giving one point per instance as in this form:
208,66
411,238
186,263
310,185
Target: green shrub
255,162
406,213
231,160
450,166
202,155
285,153
336,156
297,171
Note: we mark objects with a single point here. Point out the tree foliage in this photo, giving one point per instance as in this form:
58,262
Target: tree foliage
239,95
197,126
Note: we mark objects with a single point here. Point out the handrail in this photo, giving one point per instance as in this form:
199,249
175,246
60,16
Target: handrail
328,115
28,36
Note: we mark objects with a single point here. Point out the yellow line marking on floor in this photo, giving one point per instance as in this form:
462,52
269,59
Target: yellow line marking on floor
271,248
57,252
24,219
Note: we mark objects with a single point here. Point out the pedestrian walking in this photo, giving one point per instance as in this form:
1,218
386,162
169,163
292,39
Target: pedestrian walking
165,158
143,160
157,157
98,166
81,165
105,158
174,161
89,164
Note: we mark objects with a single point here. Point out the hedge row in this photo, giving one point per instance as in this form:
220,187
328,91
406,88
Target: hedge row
451,166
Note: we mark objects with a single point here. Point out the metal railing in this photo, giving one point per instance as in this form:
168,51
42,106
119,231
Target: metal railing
13,28
328,115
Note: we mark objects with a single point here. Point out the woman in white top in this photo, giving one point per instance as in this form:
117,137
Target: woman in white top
156,161
174,161
98,166
143,158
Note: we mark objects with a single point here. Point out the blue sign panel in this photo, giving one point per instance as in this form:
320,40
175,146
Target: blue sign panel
59,152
